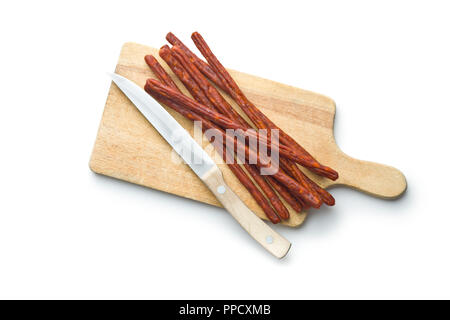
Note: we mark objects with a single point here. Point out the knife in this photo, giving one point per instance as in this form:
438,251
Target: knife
203,166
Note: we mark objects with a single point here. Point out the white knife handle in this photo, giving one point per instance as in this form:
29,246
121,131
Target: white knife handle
268,238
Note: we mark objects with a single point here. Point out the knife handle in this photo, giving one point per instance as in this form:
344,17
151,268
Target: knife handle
261,232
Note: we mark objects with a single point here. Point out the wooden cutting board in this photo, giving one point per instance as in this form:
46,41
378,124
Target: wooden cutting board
129,148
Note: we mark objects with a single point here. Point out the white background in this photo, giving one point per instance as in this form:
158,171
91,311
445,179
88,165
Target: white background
66,232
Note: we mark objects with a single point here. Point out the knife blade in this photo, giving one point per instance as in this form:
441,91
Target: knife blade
203,166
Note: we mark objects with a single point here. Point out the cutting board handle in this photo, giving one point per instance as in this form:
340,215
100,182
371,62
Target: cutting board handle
373,178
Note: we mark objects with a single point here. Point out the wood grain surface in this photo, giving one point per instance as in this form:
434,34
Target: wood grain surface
129,148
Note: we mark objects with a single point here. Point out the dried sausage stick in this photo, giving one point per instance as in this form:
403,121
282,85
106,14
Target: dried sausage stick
211,75
234,167
220,104
292,169
189,83
260,120
211,115
213,95
200,64
284,193
154,86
